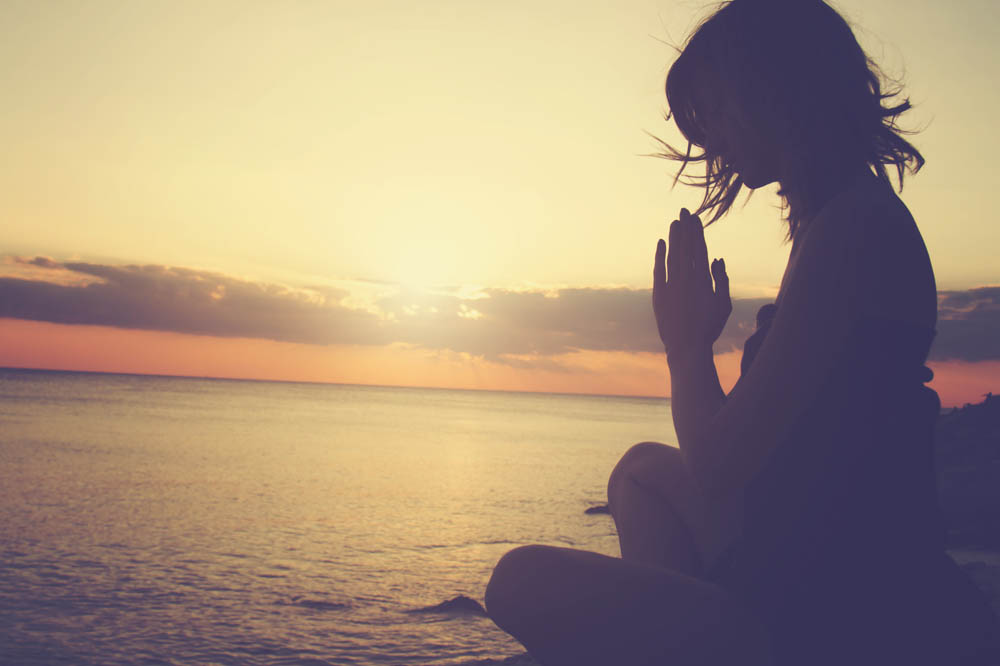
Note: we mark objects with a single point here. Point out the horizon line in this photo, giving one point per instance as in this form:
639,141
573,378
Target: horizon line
328,383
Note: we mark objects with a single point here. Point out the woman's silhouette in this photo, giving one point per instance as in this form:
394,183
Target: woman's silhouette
796,525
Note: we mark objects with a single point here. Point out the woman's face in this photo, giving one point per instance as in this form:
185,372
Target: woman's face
744,147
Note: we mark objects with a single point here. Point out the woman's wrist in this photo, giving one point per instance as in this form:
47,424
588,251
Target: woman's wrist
694,355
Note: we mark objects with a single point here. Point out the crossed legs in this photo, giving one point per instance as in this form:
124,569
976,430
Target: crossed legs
572,607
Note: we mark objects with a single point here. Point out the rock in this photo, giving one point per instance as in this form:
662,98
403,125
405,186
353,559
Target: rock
969,435
517,660
460,604
600,508
967,457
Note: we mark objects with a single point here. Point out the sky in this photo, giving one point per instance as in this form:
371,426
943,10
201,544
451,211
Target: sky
453,194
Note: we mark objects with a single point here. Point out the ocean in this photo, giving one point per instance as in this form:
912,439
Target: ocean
162,520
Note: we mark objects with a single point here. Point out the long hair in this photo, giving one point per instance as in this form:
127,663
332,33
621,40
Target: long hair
793,70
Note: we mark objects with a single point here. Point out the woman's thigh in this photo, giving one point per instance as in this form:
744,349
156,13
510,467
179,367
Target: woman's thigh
575,607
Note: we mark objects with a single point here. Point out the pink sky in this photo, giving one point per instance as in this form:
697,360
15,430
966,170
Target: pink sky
104,349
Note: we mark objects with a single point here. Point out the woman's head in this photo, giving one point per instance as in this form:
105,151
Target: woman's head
780,90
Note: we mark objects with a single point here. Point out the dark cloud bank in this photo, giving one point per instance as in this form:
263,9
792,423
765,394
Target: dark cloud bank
498,324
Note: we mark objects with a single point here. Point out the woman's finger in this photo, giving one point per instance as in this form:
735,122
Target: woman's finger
699,251
659,271
721,283
675,253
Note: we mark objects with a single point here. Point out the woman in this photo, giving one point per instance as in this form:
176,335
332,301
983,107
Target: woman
796,523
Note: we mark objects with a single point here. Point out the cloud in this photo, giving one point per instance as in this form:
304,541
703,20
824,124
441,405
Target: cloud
968,325
41,262
183,300
514,327
502,323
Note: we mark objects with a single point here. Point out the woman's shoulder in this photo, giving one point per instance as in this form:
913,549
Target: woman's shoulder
874,227
866,205
868,236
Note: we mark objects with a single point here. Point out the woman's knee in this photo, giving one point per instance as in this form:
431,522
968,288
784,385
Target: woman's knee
640,456
507,593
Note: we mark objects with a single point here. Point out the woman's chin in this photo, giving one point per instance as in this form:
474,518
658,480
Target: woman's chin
755,181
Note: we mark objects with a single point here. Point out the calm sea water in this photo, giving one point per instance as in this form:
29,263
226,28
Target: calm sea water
169,520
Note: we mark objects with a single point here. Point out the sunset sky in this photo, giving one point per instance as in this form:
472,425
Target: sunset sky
423,194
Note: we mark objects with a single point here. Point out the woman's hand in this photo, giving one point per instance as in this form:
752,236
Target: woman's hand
690,313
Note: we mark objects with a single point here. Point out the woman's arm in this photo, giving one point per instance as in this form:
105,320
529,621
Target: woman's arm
859,259
696,395
724,442
816,313
690,316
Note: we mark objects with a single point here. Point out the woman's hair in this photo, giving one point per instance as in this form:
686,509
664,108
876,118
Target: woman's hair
791,69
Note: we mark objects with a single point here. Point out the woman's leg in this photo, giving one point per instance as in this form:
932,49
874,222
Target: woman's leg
657,509
575,608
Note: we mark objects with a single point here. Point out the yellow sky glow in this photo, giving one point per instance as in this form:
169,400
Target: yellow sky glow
451,144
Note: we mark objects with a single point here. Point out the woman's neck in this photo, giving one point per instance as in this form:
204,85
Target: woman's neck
805,197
